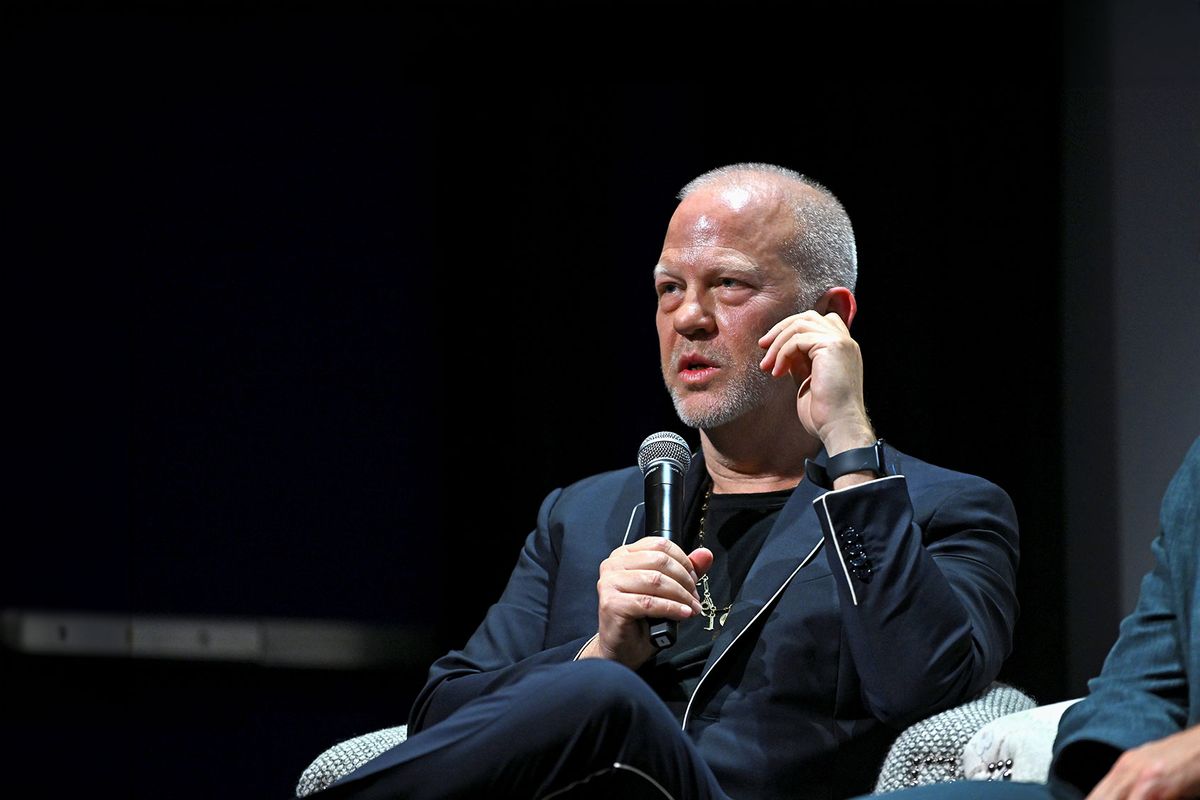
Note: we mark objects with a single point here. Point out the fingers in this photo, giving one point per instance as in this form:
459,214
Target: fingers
1151,788
807,319
790,340
636,607
651,577
654,552
1133,769
1111,787
790,353
633,594
702,560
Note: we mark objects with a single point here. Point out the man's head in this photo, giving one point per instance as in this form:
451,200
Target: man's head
748,245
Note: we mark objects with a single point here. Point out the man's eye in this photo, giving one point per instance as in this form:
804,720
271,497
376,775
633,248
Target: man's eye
668,288
730,283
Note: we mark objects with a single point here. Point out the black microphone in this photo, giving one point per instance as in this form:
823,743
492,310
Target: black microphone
664,458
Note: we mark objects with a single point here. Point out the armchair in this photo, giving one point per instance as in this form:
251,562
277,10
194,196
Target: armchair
932,750
345,757
1015,747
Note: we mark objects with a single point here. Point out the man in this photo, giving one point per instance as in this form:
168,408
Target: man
830,589
1136,735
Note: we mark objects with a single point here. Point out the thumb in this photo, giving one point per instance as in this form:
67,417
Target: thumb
702,559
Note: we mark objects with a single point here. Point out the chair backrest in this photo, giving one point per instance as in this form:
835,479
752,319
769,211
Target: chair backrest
930,751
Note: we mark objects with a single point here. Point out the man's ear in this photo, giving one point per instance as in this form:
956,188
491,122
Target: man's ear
840,301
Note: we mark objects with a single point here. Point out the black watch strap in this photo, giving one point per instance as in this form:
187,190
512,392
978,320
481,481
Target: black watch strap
859,459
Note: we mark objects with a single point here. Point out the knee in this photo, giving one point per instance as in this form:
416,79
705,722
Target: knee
598,686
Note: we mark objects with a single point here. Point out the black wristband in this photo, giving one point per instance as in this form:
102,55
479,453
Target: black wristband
859,459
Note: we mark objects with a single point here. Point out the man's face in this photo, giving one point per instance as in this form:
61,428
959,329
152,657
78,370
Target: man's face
721,285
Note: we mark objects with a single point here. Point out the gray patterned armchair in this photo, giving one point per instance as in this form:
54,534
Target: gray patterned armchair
930,751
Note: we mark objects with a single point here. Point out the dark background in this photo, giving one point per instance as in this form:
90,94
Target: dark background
317,308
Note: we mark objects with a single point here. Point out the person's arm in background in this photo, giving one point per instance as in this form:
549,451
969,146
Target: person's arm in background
1130,737
1160,770
1140,695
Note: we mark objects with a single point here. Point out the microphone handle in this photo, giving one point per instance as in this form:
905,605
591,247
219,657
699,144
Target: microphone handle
664,511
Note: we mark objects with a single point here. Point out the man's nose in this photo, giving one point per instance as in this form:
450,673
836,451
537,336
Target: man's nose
694,318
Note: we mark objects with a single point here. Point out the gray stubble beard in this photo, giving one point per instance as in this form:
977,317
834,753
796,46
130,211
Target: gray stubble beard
745,392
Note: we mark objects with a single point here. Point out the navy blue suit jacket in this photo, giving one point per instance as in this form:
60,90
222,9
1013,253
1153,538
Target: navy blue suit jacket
819,664
1149,687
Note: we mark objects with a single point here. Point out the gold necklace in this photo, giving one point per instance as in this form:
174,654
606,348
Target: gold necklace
707,607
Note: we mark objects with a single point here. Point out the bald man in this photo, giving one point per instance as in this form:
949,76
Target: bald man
826,590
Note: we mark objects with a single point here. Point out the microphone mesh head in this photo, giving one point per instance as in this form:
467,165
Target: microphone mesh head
664,446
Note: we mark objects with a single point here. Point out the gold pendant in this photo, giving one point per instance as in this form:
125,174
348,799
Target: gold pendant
707,607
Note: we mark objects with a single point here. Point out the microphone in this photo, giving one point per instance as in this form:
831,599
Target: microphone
664,458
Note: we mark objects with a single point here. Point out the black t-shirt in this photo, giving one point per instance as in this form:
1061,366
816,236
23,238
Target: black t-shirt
735,527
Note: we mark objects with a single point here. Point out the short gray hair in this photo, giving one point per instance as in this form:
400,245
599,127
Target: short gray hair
821,248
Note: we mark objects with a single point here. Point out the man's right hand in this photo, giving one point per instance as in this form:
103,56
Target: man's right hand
650,579
1166,769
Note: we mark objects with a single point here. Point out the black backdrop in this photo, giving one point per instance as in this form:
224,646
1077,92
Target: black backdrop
324,306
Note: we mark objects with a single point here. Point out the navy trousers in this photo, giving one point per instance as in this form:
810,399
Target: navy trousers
574,731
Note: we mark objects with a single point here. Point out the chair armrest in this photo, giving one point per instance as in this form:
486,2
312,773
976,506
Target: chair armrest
931,751
345,757
1016,747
